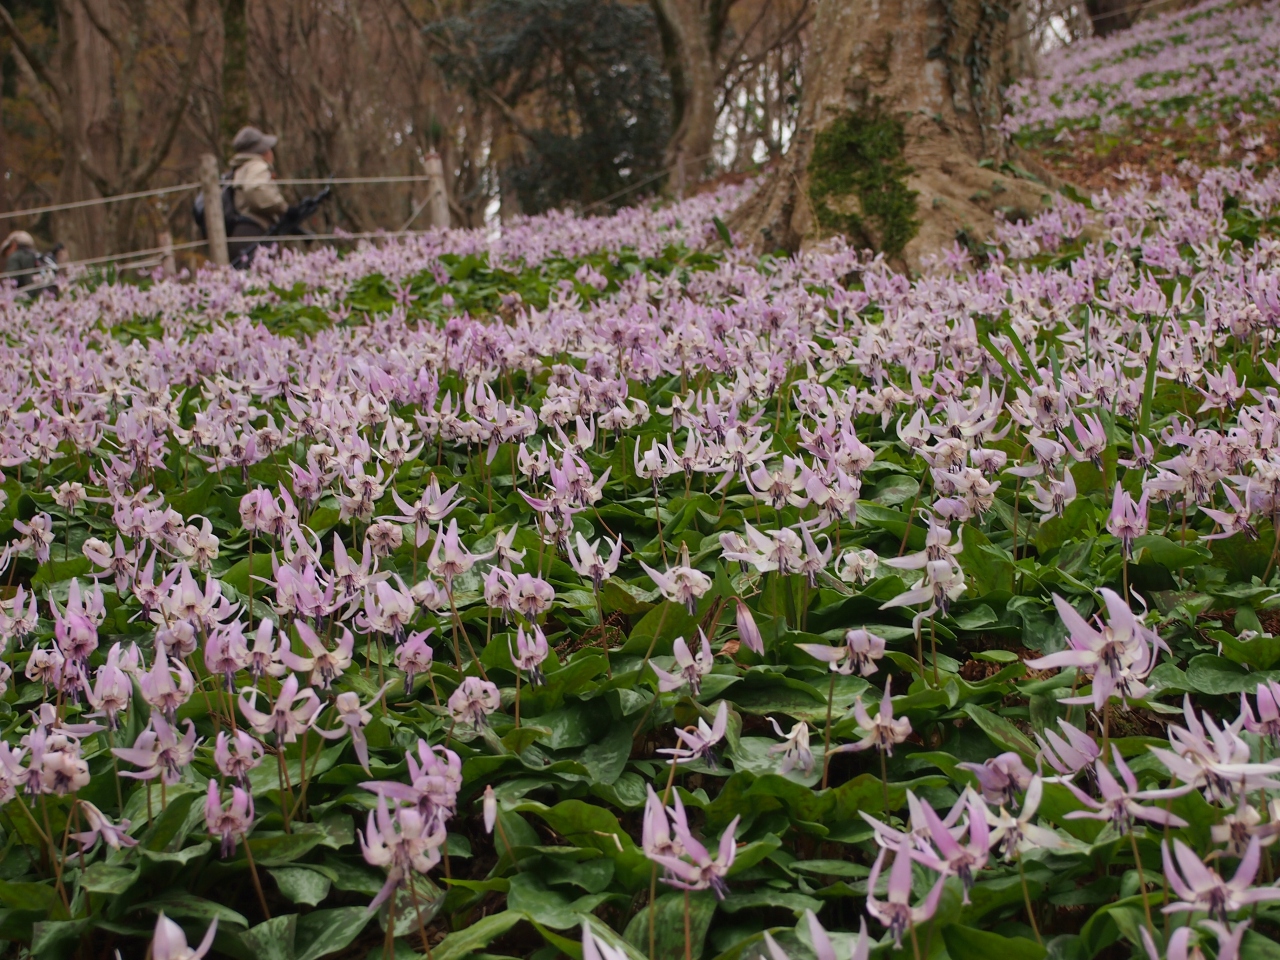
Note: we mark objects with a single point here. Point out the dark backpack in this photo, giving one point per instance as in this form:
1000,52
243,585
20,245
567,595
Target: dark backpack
229,215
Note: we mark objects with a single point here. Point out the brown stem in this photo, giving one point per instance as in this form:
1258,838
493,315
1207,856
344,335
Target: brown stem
253,872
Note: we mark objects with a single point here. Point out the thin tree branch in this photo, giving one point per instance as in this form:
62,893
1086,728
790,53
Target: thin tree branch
483,88
197,29
23,48
49,110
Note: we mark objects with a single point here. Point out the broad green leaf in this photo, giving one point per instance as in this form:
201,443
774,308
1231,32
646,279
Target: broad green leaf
1002,733
966,943
321,933
272,940
666,919
179,904
108,878
549,907
477,936
27,896
302,885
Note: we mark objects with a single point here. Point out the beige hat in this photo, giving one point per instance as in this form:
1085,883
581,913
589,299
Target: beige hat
19,237
253,140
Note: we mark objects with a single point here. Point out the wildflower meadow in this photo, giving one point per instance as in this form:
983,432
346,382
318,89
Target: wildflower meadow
601,589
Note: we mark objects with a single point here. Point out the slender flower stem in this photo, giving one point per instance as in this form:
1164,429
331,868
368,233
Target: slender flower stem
286,788
826,734
253,872
53,853
688,930
933,646
417,909
884,780
653,876
1026,897
1142,881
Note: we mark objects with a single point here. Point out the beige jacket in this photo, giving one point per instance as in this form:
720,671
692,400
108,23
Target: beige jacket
256,193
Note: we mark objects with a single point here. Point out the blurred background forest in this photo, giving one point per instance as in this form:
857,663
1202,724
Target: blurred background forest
532,104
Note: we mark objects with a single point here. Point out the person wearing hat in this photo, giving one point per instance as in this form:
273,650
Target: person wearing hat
256,194
18,253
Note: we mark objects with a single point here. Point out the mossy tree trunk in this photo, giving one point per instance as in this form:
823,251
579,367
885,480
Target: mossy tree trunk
896,145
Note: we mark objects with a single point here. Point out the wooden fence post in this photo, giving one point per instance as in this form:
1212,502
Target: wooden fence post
437,198
167,262
214,225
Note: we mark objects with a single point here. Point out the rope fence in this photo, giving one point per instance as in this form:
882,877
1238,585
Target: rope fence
155,255
174,248
98,201
182,187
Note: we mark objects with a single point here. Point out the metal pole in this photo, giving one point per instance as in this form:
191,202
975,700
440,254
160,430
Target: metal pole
437,197
214,225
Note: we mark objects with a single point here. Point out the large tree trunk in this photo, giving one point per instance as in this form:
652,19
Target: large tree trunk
235,69
691,31
84,59
901,99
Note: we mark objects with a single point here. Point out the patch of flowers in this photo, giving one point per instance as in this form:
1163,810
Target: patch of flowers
591,592
1213,66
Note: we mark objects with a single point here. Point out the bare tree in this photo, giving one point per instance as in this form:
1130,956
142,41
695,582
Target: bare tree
710,48
115,134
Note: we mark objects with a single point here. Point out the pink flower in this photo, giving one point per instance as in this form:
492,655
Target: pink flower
691,669
882,729
696,869
1200,888
291,714
170,943
895,911
1118,657
235,820
472,702
100,825
237,755
402,843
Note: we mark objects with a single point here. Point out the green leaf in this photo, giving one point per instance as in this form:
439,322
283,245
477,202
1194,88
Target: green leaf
272,940
1218,676
1002,733
723,230
108,878
179,904
183,856
478,935
239,574
56,571
1261,652
285,848
966,943
551,908
324,932
302,885
607,759
798,903
1010,373
27,896
668,925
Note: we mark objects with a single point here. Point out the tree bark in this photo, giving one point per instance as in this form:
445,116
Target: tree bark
691,32
235,69
900,104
